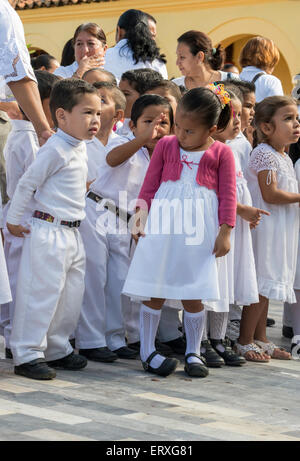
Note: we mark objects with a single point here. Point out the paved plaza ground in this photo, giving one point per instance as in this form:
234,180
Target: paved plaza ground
120,402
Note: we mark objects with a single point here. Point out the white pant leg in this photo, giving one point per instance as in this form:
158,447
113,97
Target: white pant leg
287,315
67,313
41,280
168,325
117,268
90,332
131,312
13,252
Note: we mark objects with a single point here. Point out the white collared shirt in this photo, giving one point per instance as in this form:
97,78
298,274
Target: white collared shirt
96,152
242,149
66,71
57,180
119,59
14,56
128,176
19,152
266,85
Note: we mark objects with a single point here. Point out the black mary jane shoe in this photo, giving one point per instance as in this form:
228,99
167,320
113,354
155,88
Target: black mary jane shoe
166,368
212,359
196,369
230,357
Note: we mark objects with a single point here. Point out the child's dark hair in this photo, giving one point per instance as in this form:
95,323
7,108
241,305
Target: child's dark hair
265,111
111,77
173,89
46,82
199,41
67,94
244,86
67,56
117,94
142,80
205,105
139,39
43,60
150,100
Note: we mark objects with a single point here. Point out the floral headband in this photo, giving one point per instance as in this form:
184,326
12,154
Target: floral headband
219,90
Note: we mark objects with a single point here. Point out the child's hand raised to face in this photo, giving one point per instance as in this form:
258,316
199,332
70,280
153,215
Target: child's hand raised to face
154,129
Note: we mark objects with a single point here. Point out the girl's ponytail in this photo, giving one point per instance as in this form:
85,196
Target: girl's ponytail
217,58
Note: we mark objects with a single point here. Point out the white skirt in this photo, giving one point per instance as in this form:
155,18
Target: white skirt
175,259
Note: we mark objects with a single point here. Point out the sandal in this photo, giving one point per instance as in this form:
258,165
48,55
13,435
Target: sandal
166,368
244,352
274,351
195,369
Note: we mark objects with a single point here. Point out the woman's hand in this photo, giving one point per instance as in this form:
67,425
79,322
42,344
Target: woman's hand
222,243
251,214
89,62
17,230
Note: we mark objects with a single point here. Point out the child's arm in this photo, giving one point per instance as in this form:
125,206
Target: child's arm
45,165
267,181
123,152
250,214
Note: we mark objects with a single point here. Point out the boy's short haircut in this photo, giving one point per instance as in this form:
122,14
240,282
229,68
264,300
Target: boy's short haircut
67,93
142,80
173,89
117,94
150,100
243,85
112,78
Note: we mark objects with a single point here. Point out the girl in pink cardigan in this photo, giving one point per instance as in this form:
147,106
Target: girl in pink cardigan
191,188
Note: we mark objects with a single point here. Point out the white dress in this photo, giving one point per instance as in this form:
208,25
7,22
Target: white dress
174,261
297,277
275,240
243,288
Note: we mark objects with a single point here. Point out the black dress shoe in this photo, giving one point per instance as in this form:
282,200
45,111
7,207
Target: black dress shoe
177,345
195,369
8,353
99,354
213,360
287,332
69,362
72,342
126,353
36,369
229,356
162,348
165,369
270,322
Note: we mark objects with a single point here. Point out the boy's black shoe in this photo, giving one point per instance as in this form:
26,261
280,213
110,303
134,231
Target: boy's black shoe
212,358
229,356
36,369
72,342
69,362
126,353
270,322
162,348
99,354
287,332
177,345
8,353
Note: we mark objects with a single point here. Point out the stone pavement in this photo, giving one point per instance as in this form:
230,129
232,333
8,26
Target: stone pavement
120,402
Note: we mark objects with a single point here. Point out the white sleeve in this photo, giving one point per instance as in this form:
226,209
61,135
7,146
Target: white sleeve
1,213
273,86
47,163
14,56
263,159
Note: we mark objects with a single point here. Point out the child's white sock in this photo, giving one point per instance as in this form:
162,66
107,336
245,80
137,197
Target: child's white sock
194,325
149,320
218,325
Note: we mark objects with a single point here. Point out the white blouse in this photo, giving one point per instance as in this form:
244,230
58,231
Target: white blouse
119,59
14,56
266,85
180,81
66,71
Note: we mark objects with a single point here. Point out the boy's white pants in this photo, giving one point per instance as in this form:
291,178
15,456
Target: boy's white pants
101,320
49,292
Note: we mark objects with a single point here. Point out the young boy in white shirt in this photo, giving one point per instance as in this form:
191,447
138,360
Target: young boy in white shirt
19,152
51,275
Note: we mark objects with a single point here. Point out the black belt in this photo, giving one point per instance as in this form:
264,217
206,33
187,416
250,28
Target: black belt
47,217
113,208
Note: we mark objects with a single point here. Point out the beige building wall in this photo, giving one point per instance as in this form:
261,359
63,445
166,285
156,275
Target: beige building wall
225,21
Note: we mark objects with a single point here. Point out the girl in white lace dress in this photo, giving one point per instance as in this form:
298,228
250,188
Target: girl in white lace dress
273,187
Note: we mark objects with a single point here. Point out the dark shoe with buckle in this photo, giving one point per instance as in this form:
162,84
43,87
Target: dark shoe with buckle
287,332
213,360
69,362
126,353
165,369
99,354
196,369
35,369
270,322
8,353
229,356
177,345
